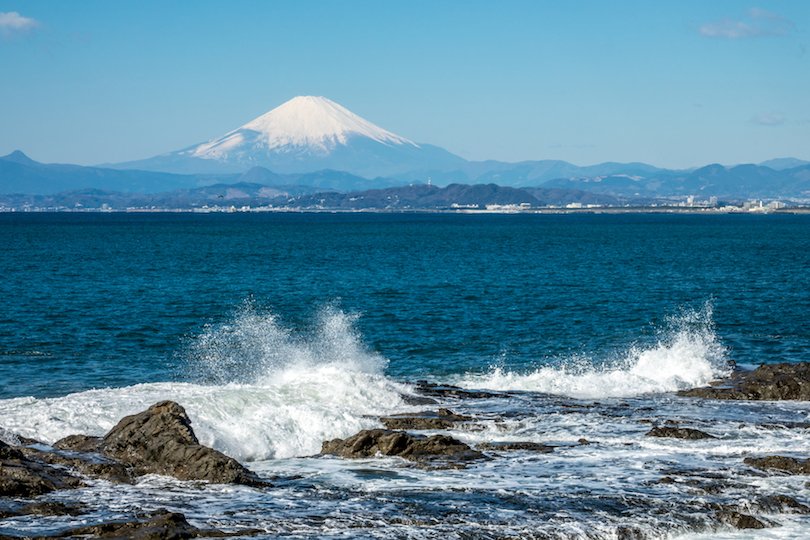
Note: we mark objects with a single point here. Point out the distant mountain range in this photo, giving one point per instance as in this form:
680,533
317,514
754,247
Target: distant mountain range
21,174
739,182
312,143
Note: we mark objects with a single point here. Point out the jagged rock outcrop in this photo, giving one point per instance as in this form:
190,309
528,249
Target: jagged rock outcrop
441,419
160,440
785,381
439,450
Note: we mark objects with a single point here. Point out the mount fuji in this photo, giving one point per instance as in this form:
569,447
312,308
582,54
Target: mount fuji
305,134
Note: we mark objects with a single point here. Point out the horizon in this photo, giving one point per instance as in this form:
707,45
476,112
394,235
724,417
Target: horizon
676,86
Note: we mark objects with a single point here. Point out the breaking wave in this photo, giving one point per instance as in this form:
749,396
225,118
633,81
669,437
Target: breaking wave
687,354
264,392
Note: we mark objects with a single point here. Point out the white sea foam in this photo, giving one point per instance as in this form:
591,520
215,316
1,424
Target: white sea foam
687,355
268,392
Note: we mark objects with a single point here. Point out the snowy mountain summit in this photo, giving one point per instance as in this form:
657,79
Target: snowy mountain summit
304,124
305,134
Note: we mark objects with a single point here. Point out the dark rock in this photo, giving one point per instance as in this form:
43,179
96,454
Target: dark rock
373,442
784,425
79,443
88,464
24,477
410,399
442,419
445,390
679,433
775,504
51,508
160,441
625,532
508,446
738,520
162,525
784,464
786,381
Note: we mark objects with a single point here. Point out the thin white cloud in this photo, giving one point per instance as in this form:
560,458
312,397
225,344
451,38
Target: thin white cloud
769,119
758,23
12,23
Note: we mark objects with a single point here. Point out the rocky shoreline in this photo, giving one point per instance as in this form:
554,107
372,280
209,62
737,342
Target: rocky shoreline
160,440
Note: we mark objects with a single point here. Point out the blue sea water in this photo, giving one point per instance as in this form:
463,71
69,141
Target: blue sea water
278,331
97,300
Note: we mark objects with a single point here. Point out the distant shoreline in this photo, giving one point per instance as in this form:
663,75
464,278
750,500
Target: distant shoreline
465,211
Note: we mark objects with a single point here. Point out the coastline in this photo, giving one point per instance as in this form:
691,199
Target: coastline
802,210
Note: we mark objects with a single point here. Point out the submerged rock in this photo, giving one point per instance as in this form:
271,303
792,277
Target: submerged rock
679,433
783,464
42,508
512,446
420,449
785,381
780,504
441,419
160,440
738,520
162,525
21,476
446,390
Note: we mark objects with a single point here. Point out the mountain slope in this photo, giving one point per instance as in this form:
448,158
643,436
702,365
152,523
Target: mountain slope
305,134
21,174
715,180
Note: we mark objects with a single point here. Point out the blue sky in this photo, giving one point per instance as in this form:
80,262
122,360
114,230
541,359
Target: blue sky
675,84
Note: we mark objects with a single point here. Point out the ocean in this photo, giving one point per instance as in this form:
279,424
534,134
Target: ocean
277,332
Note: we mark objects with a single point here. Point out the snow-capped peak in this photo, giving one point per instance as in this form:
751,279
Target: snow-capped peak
304,122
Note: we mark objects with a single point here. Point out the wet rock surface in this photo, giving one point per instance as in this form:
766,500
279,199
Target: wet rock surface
21,476
426,420
515,446
162,525
679,433
160,441
42,508
739,520
79,443
436,450
434,390
784,464
783,381
92,465
781,504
